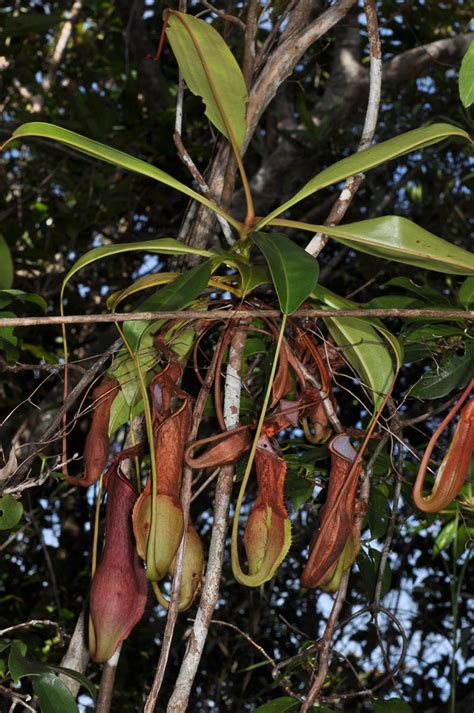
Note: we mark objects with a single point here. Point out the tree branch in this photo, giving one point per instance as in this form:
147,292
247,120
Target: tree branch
178,702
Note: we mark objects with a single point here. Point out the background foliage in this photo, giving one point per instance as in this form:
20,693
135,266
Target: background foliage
58,205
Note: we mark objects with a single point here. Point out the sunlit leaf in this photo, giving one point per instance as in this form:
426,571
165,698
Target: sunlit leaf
362,345
211,72
466,292
143,283
113,156
164,246
445,537
466,77
294,272
371,157
395,238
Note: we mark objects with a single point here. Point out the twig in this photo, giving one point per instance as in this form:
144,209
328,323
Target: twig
232,314
63,39
210,592
248,65
224,16
196,174
17,699
248,638
324,644
284,58
32,623
54,368
14,484
49,565
339,209
185,501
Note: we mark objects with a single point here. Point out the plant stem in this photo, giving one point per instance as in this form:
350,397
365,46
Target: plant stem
107,680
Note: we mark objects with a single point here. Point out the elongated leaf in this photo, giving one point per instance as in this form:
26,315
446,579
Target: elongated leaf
294,272
110,155
53,695
371,157
445,537
143,283
466,292
165,246
395,238
211,72
251,276
466,77
362,346
176,295
6,265
19,667
369,563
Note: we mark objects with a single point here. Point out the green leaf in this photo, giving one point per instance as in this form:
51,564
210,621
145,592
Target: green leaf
121,412
19,667
379,512
278,705
53,695
423,290
294,272
124,370
298,490
369,563
143,283
453,372
466,77
366,352
113,156
395,238
392,705
365,160
6,265
8,341
11,511
257,275
176,295
211,72
445,537
362,346
9,296
165,246
466,292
